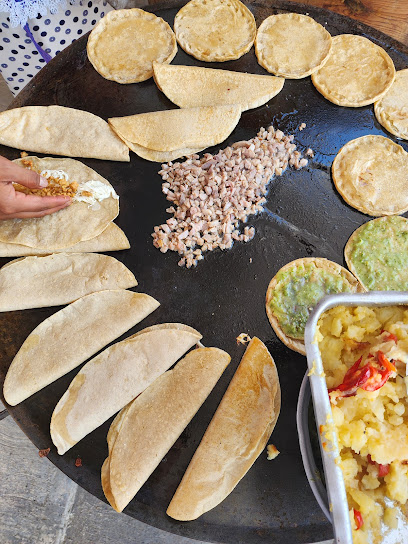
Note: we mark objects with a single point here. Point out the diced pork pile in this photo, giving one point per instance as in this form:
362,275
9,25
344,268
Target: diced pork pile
211,195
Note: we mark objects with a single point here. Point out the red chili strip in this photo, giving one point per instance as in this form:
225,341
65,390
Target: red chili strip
358,518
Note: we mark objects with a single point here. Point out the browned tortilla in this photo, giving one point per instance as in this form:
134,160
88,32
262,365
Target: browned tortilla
235,437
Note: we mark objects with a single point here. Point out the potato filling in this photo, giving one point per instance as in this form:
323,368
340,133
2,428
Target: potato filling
365,352
57,184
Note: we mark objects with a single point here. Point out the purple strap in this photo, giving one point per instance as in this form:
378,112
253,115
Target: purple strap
43,53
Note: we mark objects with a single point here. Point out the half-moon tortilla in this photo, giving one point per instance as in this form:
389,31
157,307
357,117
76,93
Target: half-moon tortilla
154,420
168,130
235,437
315,266
115,377
111,239
68,226
60,278
70,336
193,86
64,131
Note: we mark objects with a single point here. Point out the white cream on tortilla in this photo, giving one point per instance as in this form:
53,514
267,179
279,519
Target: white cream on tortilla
57,174
98,191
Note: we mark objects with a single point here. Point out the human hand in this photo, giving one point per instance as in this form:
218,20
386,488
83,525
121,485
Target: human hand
15,204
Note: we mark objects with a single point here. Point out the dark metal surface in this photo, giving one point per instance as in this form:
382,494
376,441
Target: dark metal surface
224,295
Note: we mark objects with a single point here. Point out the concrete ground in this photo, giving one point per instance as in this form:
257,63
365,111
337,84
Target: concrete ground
40,505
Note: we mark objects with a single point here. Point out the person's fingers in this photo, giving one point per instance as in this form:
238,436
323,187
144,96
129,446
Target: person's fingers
32,203
9,171
27,215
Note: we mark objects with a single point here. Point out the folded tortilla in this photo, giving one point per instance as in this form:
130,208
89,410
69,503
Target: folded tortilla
70,336
237,434
58,130
169,130
154,420
115,377
68,226
162,156
60,278
192,86
111,239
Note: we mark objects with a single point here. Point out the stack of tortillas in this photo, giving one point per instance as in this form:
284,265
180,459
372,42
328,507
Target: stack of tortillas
166,135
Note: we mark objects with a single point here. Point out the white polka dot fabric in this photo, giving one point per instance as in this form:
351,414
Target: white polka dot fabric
19,58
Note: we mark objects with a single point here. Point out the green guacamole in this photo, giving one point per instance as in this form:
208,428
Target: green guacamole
379,254
297,292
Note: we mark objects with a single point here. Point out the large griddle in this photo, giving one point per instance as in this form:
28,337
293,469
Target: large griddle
224,295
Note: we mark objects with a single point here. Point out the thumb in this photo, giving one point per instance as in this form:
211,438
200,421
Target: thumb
10,171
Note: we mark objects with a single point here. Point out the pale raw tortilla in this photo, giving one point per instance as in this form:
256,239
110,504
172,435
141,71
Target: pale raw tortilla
193,86
169,130
58,130
123,45
70,336
294,343
154,420
235,437
68,226
292,45
115,377
358,72
60,278
111,239
215,30
392,109
371,174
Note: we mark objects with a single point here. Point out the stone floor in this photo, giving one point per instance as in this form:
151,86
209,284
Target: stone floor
40,505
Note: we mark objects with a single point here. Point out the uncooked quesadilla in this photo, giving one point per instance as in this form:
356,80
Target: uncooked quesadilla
94,205
92,322
193,86
61,131
111,239
115,377
60,278
144,431
235,437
